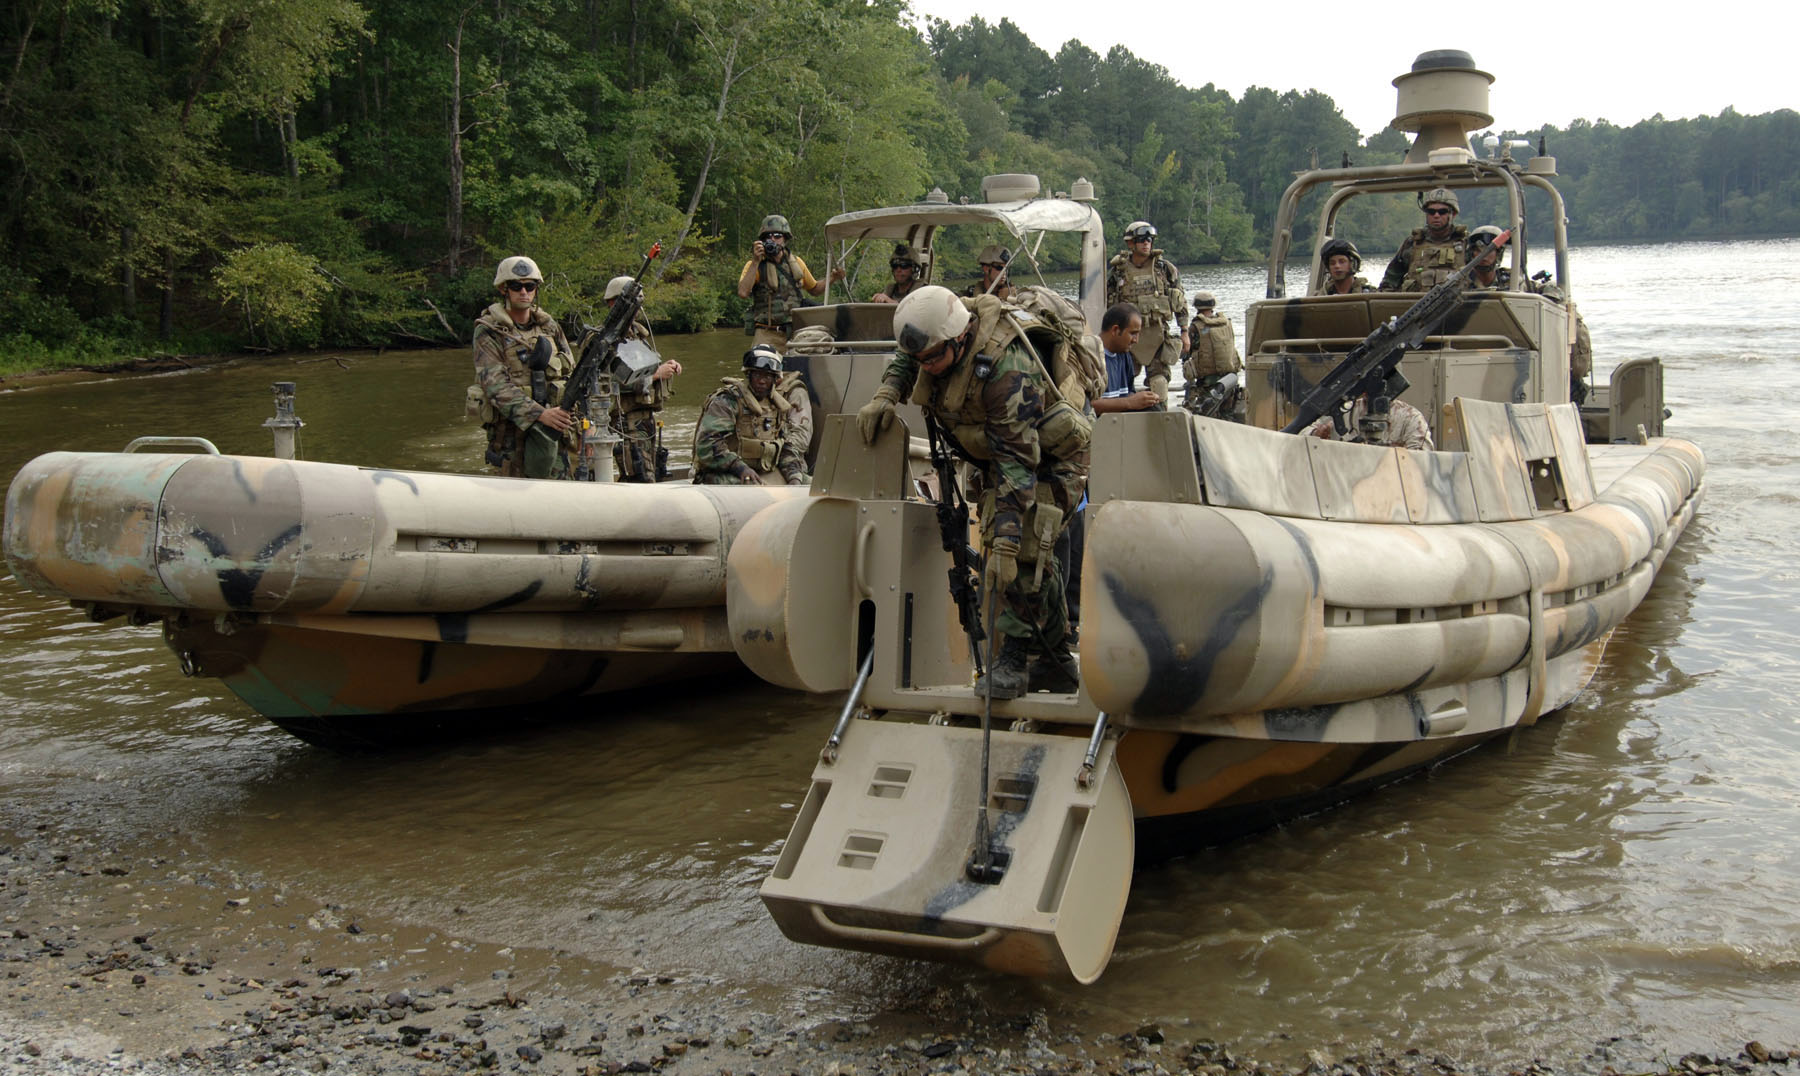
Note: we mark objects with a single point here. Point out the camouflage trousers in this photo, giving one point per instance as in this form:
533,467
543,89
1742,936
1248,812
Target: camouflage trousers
775,338
1035,607
506,452
635,455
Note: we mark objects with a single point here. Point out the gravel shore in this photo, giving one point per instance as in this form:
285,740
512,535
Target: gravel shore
119,962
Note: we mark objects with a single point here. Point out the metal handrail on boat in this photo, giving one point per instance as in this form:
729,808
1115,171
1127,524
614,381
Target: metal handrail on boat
200,443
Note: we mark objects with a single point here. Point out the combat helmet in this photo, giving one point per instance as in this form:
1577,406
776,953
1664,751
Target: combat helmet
1140,229
518,267
1333,247
994,254
904,254
775,222
763,357
1440,194
617,286
1479,239
927,318
1203,300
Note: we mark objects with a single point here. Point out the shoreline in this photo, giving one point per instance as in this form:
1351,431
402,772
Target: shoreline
118,960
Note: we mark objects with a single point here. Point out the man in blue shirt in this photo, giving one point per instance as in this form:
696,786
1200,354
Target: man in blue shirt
1119,329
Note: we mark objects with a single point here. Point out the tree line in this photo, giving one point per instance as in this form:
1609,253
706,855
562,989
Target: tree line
218,174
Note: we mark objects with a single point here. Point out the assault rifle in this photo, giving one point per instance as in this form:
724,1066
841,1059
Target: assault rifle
1373,365
597,352
953,530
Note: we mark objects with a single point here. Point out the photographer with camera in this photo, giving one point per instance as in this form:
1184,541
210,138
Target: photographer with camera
775,281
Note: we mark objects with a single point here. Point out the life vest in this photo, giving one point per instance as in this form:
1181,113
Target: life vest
1214,347
957,393
776,292
761,429
1146,286
1430,262
514,344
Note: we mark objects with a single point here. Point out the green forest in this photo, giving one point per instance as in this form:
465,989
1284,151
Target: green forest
220,175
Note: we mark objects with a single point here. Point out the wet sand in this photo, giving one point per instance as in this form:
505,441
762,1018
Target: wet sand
121,961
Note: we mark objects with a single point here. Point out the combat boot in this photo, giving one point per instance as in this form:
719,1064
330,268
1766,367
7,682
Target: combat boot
1008,671
1056,672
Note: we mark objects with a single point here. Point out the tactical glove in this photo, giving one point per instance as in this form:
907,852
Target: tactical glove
1002,564
877,414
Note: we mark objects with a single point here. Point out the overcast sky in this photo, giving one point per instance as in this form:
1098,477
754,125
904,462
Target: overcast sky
1620,62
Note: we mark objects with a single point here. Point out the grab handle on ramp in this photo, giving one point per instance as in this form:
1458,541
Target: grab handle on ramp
878,935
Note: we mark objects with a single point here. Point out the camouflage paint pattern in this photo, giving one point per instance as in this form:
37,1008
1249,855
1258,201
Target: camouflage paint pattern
257,564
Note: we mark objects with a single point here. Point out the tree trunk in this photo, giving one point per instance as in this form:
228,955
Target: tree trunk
454,217
165,329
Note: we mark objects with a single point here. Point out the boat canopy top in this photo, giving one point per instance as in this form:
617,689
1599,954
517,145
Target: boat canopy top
1027,221
1019,218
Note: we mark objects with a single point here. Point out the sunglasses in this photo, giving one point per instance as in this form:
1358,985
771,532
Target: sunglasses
1437,212
993,265
898,263
1140,239
521,285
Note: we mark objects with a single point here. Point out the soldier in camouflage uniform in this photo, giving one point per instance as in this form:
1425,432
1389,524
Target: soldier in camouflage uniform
907,267
967,362
775,280
1405,426
1432,254
747,431
1214,352
1343,263
1141,276
521,361
993,261
638,457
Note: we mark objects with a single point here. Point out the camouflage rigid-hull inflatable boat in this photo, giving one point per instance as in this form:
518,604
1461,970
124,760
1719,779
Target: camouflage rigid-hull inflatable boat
324,594
1270,623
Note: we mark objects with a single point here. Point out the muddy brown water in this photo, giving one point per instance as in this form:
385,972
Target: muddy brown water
1625,867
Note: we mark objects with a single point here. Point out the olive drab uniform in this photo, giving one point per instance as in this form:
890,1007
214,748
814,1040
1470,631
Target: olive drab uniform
1407,427
743,441
637,456
1155,289
1422,264
1001,412
512,395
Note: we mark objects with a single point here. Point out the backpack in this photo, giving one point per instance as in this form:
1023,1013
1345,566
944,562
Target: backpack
1058,331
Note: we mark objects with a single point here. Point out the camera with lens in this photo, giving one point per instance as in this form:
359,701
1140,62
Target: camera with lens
772,248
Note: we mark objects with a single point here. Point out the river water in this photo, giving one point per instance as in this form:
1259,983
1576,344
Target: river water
1624,867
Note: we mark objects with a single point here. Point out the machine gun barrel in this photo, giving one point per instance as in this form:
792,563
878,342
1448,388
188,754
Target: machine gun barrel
1374,362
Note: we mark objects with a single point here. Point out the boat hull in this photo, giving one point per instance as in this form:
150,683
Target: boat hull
322,593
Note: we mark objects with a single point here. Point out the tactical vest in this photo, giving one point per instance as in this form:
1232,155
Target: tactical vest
653,394
1215,347
760,431
1062,431
1145,287
1430,262
514,344
773,305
